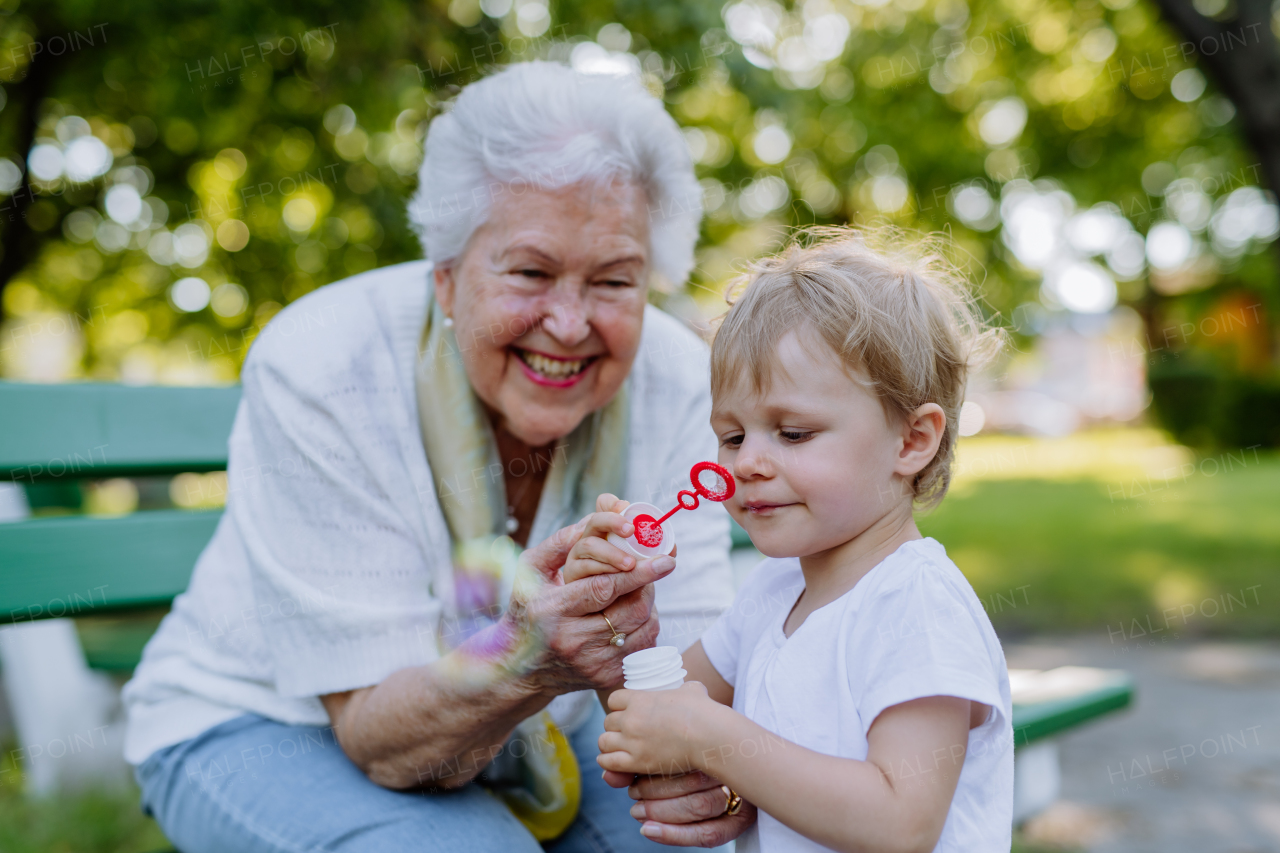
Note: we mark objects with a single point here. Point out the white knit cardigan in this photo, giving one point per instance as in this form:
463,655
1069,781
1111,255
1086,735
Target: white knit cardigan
328,569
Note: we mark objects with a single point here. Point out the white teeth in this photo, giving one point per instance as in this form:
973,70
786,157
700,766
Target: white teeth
551,368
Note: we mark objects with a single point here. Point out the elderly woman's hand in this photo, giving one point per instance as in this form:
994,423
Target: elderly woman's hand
552,640
684,811
576,651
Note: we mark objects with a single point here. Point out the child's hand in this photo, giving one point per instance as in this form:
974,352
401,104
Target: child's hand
592,554
657,732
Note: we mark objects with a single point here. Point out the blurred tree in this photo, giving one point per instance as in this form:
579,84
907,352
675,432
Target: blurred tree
174,175
1250,77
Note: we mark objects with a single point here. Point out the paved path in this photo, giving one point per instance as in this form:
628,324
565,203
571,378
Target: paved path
1193,765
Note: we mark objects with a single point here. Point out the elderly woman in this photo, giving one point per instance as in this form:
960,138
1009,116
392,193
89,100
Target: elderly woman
359,643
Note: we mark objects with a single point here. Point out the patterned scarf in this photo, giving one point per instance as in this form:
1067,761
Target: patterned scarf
542,787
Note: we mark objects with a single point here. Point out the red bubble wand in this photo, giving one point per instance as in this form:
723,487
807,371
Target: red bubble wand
649,529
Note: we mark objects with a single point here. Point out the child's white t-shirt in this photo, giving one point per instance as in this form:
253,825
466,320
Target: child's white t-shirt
911,627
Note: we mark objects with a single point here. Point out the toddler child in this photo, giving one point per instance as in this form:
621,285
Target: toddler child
855,691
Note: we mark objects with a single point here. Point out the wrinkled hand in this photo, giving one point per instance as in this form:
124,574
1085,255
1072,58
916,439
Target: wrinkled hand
684,811
657,732
574,652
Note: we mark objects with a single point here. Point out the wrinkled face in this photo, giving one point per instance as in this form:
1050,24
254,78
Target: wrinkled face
816,459
547,302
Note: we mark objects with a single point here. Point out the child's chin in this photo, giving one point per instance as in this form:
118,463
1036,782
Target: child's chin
767,537
776,547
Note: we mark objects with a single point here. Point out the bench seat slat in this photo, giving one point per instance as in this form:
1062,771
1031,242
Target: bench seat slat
1043,719
101,430
75,565
114,642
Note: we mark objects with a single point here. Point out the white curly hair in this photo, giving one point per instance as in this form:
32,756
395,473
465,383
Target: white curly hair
542,124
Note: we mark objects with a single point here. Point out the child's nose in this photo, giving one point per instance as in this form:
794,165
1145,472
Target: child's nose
753,462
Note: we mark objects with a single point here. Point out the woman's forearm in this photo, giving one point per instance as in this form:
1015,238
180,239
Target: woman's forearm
436,725
439,725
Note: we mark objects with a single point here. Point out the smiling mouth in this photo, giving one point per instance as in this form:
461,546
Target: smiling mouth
554,369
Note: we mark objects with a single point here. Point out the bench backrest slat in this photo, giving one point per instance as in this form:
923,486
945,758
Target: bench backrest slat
76,565
98,430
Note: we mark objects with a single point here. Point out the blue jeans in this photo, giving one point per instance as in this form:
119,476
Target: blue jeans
252,785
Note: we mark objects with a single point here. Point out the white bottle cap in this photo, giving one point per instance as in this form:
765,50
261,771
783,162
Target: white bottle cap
632,546
659,668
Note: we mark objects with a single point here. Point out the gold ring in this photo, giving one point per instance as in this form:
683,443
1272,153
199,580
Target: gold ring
732,801
618,638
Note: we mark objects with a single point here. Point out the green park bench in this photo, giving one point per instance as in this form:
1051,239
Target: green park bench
116,575
101,569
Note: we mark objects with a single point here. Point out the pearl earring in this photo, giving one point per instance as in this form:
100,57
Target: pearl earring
448,322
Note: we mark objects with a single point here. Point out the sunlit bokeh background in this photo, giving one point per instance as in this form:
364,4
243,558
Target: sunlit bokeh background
176,174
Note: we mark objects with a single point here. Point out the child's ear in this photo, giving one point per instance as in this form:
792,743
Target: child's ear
922,432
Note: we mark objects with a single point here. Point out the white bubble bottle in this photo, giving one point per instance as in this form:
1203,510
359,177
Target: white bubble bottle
659,668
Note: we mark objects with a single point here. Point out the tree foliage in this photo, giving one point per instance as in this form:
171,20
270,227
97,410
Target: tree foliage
255,152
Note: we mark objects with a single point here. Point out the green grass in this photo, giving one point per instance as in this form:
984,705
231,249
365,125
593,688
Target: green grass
1094,532
99,821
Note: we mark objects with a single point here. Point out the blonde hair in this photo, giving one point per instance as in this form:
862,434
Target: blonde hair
885,302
